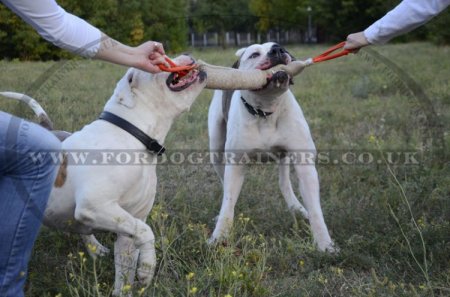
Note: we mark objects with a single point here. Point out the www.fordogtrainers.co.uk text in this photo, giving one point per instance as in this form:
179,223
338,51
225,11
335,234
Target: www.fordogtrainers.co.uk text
198,157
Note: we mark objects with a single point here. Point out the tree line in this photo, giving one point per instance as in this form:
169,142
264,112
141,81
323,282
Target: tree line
171,21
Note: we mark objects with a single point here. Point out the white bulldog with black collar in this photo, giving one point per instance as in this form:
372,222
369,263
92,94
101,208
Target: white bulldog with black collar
109,193
268,119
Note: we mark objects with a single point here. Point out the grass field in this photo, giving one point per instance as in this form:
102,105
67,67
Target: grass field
390,221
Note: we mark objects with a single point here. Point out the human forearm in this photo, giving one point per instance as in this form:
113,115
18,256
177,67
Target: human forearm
405,17
57,26
146,56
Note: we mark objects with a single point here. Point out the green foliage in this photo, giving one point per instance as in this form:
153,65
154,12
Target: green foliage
221,16
283,14
19,40
438,29
170,21
130,22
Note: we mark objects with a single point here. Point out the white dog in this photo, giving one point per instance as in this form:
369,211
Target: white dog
268,119
118,197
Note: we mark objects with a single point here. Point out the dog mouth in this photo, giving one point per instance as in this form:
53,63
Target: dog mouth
277,78
177,82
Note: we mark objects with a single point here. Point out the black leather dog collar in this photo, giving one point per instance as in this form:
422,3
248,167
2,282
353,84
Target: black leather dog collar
255,111
150,143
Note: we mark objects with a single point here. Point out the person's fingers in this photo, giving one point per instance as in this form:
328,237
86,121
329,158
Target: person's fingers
158,59
352,46
158,48
149,67
355,41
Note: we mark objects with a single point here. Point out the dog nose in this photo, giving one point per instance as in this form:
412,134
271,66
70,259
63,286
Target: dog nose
276,51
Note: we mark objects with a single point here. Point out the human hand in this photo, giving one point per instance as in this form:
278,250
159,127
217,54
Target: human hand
148,55
356,41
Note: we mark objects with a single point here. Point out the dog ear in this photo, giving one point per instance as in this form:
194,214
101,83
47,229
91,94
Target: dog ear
240,52
125,95
236,64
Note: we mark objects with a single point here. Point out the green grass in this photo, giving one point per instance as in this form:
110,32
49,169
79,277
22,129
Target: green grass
391,223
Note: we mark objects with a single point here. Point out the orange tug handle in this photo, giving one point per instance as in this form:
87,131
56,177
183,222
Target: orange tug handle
328,56
181,70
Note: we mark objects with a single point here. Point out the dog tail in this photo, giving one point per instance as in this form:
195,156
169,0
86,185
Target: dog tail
44,119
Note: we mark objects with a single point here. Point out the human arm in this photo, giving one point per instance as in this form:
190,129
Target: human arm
145,56
79,37
405,17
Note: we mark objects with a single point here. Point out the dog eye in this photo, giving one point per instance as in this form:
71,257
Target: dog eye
130,78
254,55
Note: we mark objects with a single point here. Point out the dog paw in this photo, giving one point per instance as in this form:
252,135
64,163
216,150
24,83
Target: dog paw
122,292
145,274
93,246
299,209
329,248
212,241
96,250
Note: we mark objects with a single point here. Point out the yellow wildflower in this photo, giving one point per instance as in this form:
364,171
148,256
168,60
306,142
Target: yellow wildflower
190,276
141,291
92,247
126,288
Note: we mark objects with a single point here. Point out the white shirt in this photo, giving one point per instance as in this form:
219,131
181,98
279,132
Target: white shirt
57,26
407,16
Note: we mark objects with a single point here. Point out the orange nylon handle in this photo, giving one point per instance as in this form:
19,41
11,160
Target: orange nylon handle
327,54
181,70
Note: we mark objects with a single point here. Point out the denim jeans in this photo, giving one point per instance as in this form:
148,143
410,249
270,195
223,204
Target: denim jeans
25,185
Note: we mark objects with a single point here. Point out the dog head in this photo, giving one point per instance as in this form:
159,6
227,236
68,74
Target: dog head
167,90
265,56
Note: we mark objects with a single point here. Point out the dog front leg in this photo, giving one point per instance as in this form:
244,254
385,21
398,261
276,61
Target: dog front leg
125,260
94,247
113,218
233,180
288,193
309,189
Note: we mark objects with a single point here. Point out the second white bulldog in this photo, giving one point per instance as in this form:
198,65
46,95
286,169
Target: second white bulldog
270,120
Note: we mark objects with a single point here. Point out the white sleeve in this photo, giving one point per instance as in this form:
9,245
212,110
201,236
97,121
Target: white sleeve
57,26
407,16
